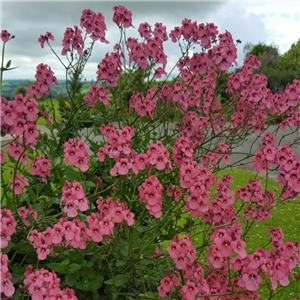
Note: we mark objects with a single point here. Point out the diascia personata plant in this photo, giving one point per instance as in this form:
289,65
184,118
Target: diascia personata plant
122,198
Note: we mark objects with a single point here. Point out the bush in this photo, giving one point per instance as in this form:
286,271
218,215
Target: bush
109,203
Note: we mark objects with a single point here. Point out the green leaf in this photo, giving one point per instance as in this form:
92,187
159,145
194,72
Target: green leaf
120,263
93,285
96,283
57,161
71,174
84,286
119,280
89,184
109,282
32,195
71,279
72,268
59,268
8,64
17,295
125,251
8,69
15,278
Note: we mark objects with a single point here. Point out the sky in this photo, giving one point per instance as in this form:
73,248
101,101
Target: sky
271,22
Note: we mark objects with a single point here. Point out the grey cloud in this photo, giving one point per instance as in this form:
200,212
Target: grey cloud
27,20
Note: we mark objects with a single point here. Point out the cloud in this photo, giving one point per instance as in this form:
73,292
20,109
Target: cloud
248,21
27,20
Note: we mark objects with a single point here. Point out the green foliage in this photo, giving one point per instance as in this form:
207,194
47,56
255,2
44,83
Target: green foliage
267,54
290,60
279,69
279,78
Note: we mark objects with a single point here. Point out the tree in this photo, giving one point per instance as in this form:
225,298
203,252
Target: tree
267,54
279,69
290,60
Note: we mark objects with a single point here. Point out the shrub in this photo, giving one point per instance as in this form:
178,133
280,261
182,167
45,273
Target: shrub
107,205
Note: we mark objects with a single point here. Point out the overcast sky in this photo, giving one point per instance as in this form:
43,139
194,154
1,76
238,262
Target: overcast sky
270,22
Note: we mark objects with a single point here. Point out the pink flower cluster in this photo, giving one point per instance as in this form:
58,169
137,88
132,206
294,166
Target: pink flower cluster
176,192
45,284
150,191
111,212
288,162
221,209
19,117
277,264
120,149
64,233
213,158
292,120
110,68
17,183
266,155
45,77
197,33
122,16
286,101
94,25
252,98
182,151
198,181
260,202
183,254
16,151
6,286
247,270
8,227
222,55
24,212
73,41
225,243
144,105
96,94
158,155
76,153
117,148
4,36
41,166
74,198
44,38
151,50
193,127
289,172
76,234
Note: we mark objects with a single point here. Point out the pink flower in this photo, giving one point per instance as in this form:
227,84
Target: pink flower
4,36
251,280
224,245
43,251
189,290
122,16
43,38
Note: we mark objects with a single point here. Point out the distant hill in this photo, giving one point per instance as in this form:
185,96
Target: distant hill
9,87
